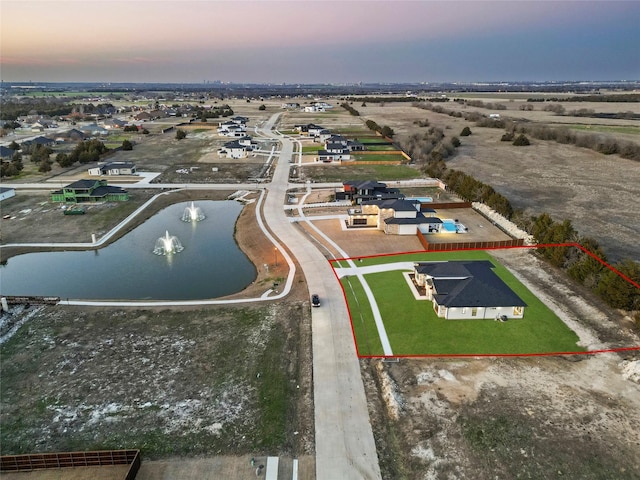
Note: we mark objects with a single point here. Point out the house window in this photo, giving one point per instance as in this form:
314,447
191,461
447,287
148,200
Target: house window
518,310
359,221
474,311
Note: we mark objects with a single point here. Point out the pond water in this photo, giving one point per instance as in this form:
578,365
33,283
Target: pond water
210,265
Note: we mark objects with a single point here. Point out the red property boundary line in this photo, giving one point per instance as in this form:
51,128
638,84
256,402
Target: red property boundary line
484,355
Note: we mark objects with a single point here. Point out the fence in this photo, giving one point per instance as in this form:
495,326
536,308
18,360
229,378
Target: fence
39,461
445,205
439,247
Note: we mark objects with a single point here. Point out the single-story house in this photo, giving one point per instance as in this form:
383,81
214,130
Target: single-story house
290,105
467,289
114,123
44,141
114,168
94,129
238,120
6,153
89,191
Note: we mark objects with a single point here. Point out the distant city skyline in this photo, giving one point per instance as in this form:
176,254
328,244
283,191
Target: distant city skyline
309,41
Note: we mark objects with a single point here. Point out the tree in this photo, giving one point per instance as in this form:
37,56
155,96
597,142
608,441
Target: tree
387,131
521,141
507,137
130,128
180,134
127,145
455,141
617,291
262,107
64,160
14,145
44,166
466,131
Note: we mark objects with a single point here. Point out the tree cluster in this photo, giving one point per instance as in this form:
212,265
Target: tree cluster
385,131
215,112
350,109
430,146
481,104
592,141
88,151
12,168
586,268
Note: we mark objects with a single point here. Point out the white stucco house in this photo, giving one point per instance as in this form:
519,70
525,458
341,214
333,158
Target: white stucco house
467,290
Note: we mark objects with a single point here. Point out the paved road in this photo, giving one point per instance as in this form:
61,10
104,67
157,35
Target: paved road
345,448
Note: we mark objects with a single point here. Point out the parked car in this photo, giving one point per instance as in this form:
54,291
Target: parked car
315,300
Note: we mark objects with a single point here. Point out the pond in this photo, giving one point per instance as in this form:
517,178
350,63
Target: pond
210,265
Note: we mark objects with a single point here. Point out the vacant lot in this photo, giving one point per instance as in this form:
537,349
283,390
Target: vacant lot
594,191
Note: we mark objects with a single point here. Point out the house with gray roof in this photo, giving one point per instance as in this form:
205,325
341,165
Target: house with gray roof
393,216
467,290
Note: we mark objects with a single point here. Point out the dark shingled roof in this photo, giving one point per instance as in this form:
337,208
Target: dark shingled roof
398,205
469,284
417,220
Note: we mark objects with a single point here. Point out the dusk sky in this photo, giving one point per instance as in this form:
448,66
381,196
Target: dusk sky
307,41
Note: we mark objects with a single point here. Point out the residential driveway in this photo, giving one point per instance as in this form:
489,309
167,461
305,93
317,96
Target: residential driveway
345,448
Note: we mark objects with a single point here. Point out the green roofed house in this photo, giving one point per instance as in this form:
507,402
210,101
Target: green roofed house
90,191
469,290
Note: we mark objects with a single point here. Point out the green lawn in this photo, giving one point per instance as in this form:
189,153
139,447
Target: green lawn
414,329
372,157
312,148
353,171
377,148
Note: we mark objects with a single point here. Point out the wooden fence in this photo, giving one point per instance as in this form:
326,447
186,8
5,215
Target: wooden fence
39,461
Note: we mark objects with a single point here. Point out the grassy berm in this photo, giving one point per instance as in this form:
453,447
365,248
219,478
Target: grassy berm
221,380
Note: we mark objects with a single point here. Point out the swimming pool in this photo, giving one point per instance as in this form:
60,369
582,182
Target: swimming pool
451,226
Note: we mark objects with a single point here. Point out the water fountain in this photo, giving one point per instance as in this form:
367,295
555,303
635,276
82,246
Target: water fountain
167,245
192,214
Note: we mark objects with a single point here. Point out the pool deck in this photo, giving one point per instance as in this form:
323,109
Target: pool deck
479,229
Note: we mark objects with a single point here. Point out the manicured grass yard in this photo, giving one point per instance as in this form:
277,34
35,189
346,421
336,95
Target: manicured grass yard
372,157
414,329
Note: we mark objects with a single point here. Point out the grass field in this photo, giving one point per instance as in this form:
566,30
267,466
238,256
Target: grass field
414,329
629,130
353,171
312,148
372,157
